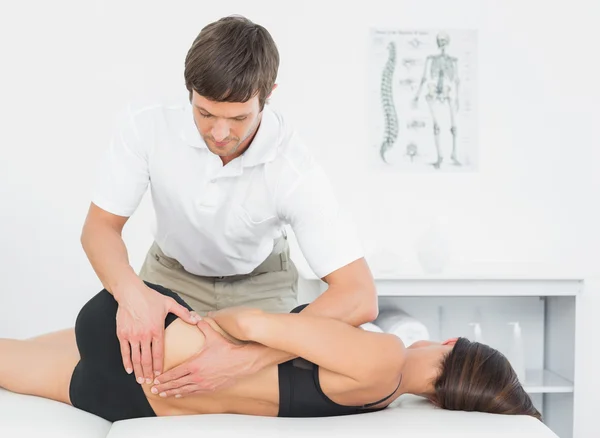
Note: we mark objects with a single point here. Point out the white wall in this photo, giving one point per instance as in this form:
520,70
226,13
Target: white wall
68,66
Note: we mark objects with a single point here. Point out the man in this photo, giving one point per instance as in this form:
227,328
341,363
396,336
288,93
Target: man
226,175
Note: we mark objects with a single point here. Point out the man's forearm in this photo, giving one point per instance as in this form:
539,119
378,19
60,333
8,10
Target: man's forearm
354,306
108,256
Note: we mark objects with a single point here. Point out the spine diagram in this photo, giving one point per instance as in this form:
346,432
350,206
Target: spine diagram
387,100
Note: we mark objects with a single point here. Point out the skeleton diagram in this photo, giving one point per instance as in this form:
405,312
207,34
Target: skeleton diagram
441,77
387,101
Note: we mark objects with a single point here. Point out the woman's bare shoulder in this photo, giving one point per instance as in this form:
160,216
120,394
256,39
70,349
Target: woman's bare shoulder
183,340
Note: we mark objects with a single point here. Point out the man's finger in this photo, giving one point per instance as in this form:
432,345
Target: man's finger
172,384
146,350
181,391
136,360
173,374
205,327
182,312
209,331
157,355
126,354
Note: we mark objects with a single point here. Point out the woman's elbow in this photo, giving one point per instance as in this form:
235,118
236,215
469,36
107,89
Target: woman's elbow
368,307
370,315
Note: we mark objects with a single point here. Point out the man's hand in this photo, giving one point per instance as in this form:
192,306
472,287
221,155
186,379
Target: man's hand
140,329
217,366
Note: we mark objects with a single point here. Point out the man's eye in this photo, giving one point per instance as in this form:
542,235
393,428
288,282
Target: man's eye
206,116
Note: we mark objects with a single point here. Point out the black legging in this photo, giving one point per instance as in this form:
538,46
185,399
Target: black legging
99,384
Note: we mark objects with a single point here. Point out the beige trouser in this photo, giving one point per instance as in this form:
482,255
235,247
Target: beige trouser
272,286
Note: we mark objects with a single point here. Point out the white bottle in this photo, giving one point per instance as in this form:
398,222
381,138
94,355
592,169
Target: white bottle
516,354
477,335
403,325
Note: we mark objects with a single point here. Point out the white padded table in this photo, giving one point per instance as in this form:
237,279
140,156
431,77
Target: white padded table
26,416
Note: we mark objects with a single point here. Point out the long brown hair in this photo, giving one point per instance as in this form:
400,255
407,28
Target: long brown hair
232,60
476,377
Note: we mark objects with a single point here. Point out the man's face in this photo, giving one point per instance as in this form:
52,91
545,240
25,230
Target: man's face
226,127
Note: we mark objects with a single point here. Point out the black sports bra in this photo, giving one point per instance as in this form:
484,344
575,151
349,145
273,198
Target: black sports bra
300,393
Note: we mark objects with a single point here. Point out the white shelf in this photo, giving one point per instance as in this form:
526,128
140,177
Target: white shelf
475,288
472,271
545,381
472,287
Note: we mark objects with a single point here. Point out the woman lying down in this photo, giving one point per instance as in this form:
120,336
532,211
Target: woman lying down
343,369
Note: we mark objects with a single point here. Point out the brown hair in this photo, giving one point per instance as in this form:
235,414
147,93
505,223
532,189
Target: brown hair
476,377
232,60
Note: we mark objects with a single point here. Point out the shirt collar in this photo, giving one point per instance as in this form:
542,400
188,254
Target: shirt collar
189,133
264,145
266,142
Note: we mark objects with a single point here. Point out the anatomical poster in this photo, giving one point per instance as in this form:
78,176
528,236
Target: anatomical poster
423,99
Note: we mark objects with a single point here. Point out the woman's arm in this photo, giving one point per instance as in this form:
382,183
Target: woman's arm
327,342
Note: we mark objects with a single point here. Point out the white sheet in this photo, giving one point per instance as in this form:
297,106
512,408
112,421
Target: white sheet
26,416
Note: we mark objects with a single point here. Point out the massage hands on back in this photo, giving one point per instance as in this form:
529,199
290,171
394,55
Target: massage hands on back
215,367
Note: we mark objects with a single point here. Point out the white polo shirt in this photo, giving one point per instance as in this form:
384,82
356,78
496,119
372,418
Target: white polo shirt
221,220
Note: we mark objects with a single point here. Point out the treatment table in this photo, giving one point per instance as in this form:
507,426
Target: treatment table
407,417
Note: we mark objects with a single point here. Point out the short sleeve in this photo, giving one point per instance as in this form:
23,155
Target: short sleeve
326,234
122,176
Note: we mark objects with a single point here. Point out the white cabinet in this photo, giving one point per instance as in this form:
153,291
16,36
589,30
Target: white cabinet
546,310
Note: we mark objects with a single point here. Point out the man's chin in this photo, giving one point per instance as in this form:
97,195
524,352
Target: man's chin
223,152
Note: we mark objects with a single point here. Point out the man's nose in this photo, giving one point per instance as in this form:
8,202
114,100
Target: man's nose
220,130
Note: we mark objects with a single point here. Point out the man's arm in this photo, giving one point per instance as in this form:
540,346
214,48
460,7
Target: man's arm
351,296
103,244
141,312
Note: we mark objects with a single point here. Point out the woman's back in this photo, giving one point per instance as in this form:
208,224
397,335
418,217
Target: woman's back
257,394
